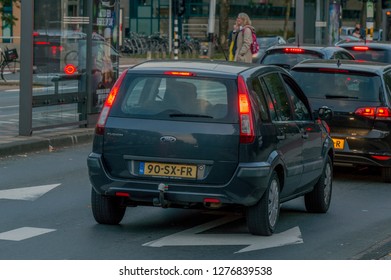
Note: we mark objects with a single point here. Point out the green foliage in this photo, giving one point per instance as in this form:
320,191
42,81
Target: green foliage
7,17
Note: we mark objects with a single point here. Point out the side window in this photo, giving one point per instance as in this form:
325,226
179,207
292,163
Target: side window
260,95
301,111
344,55
280,99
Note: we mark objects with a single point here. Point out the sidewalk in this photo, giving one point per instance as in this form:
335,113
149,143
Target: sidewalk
13,144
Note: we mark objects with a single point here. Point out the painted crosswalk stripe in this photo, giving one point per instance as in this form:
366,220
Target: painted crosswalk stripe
29,193
23,233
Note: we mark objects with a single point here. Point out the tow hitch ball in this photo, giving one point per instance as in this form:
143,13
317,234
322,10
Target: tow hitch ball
160,201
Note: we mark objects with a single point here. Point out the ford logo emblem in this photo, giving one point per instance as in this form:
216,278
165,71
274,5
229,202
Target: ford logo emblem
167,139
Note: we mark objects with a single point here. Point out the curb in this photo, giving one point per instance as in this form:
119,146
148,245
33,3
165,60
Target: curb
30,144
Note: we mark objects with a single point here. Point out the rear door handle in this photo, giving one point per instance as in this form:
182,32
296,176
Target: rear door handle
304,135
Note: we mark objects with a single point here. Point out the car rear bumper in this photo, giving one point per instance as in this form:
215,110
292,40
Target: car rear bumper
246,187
351,158
359,150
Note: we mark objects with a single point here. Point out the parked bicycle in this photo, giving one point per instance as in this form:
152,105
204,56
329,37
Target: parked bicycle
8,62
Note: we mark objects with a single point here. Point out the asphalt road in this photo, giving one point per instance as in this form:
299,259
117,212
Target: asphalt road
46,215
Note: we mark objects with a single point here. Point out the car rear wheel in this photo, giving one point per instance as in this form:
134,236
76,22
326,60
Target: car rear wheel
262,217
386,174
318,200
107,210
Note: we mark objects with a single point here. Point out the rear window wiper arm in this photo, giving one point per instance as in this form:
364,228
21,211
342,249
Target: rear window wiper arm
340,96
190,115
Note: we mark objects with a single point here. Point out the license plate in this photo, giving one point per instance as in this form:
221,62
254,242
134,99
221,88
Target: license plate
339,144
168,170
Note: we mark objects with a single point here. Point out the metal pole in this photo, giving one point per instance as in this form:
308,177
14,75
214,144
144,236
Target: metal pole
170,26
299,21
26,69
176,40
90,97
211,26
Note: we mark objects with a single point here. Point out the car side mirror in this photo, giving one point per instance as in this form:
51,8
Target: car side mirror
325,113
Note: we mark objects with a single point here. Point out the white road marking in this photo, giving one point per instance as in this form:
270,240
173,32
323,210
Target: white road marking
29,193
193,237
23,233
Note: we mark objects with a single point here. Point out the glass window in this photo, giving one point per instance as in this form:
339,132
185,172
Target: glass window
260,95
276,88
168,96
301,112
358,86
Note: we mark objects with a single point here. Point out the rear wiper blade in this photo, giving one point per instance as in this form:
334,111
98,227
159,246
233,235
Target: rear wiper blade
190,115
340,96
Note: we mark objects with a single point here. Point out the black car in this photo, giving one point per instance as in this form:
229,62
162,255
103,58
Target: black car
367,50
289,55
359,94
196,134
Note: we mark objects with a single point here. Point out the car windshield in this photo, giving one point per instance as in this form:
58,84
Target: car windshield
338,85
288,58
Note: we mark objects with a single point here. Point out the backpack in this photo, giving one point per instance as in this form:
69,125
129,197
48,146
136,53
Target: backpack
254,47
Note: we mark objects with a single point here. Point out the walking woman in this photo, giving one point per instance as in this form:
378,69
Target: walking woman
244,38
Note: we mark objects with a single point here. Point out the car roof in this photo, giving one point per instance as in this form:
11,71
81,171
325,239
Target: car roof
204,67
343,64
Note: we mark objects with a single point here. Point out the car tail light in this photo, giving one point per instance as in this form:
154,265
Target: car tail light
374,112
245,115
122,194
42,43
293,50
381,157
179,73
360,48
56,50
100,125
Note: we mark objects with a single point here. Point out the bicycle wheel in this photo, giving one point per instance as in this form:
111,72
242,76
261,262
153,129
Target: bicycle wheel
71,57
12,67
2,66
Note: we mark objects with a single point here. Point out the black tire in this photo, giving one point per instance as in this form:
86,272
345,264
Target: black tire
106,209
13,66
386,174
262,217
318,200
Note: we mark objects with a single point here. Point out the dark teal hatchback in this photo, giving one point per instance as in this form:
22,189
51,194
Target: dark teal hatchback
209,134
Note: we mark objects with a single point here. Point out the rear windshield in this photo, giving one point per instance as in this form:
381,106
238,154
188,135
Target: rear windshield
288,58
340,85
167,97
370,55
